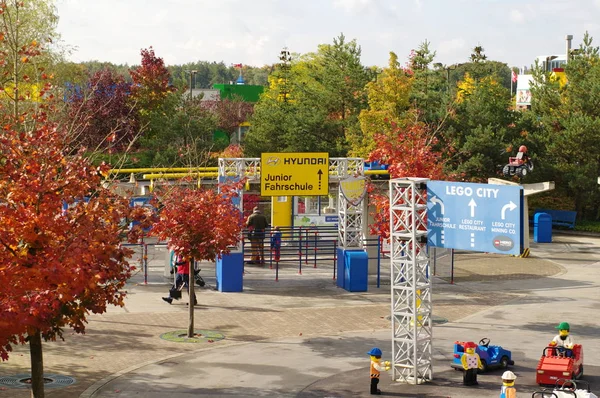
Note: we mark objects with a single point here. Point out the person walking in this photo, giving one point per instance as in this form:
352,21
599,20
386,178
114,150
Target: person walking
257,223
182,279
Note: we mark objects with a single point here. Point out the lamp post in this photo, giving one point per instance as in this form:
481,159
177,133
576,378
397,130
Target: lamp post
192,76
285,58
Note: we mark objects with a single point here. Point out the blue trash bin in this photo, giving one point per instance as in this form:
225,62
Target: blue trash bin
356,271
542,228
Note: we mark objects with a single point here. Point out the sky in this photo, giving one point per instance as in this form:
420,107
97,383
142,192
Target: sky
253,32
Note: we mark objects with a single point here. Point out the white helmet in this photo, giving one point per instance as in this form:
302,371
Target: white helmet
508,375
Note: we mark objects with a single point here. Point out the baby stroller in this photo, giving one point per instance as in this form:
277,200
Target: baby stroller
199,281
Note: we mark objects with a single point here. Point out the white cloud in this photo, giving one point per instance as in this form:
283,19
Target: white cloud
351,5
451,46
517,16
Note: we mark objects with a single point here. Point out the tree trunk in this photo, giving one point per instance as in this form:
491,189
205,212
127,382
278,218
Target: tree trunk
37,365
191,298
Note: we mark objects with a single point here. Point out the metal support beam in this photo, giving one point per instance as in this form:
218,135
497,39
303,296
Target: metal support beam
410,283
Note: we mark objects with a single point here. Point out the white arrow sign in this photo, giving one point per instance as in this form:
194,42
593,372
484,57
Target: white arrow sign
511,206
436,200
472,205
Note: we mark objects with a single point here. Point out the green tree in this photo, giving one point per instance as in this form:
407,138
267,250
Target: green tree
429,92
184,137
570,126
313,103
388,99
26,29
484,129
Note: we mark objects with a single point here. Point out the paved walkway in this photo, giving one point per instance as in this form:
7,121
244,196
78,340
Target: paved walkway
304,337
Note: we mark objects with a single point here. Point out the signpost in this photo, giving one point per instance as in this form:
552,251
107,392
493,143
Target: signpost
294,174
475,217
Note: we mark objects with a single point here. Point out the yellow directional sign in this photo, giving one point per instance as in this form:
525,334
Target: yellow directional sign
294,174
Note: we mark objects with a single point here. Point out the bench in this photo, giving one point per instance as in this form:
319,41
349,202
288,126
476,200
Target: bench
563,218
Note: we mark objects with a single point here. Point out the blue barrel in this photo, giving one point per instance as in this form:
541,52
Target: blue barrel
356,271
542,228
230,272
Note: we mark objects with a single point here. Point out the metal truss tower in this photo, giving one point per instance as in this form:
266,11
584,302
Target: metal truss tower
411,286
351,218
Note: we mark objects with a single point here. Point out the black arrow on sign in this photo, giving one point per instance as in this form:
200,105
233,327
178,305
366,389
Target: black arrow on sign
320,173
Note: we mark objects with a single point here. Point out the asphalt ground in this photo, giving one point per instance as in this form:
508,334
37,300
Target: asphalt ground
304,337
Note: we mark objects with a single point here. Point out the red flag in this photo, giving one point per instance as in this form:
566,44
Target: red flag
238,66
513,76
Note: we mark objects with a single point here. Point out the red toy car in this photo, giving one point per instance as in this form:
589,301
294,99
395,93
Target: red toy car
519,165
553,366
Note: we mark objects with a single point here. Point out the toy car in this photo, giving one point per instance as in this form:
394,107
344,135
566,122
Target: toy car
553,366
519,165
565,388
492,356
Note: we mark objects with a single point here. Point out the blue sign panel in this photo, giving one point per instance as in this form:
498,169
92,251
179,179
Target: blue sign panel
476,217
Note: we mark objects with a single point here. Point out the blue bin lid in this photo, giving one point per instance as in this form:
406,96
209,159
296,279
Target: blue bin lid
542,217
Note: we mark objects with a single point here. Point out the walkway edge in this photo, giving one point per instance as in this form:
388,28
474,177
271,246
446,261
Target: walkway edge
91,390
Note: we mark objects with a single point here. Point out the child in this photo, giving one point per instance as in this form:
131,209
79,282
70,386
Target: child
276,244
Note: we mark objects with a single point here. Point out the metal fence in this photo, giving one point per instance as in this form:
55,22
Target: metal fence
441,263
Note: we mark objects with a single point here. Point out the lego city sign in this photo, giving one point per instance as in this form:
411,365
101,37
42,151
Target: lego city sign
294,174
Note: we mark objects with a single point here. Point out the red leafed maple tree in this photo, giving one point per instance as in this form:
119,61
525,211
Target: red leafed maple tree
150,81
200,224
57,264
106,116
409,151
231,112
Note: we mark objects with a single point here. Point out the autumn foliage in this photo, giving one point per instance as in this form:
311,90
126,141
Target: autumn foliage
105,115
56,265
409,151
199,223
150,81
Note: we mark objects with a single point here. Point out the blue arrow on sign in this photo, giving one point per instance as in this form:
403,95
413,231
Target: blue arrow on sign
475,217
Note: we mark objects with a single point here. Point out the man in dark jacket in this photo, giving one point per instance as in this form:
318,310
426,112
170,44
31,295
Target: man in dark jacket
257,223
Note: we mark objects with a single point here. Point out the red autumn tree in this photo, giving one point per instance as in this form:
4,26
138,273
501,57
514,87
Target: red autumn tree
410,151
230,112
58,265
200,224
150,82
106,118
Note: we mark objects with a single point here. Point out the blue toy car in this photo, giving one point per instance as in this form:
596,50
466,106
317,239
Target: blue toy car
492,356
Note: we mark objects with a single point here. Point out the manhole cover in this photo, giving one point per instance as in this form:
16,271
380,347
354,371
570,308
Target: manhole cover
200,336
24,381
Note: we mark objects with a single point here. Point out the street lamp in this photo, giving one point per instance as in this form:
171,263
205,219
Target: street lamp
192,76
285,58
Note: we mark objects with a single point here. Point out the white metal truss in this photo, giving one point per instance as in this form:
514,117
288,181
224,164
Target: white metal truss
350,223
240,167
411,286
340,168
350,218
